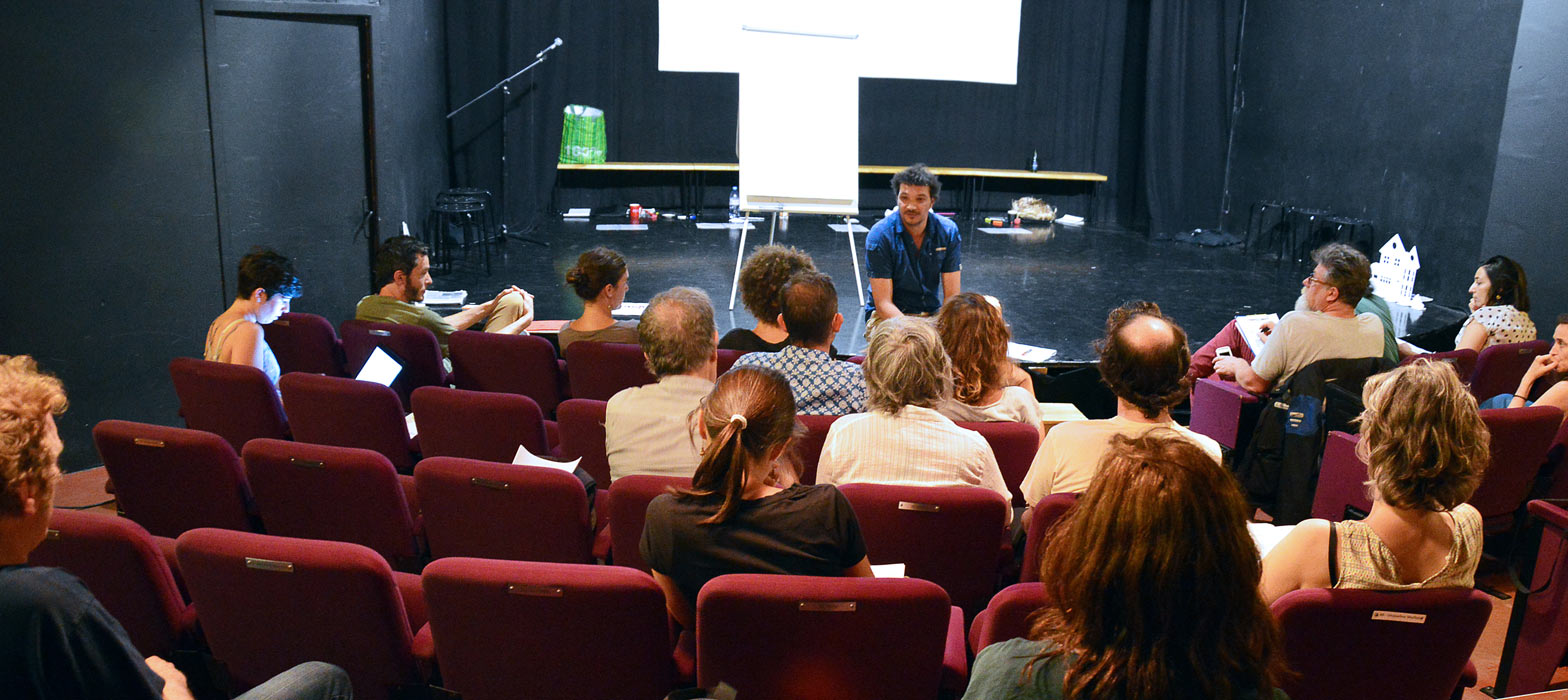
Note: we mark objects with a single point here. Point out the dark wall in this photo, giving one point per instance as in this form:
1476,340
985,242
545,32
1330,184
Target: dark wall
110,231
111,258
1084,88
1528,216
1385,111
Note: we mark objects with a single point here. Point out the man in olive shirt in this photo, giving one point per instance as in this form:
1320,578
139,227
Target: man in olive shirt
403,271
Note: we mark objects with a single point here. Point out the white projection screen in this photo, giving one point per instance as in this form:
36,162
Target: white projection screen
975,41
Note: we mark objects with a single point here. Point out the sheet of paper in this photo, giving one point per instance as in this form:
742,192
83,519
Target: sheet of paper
413,430
709,225
576,219
436,298
529,459
1251,329
628,308
1018,352
1266,535
840,228
1069,220
1010,231
887,570
578,211
622,227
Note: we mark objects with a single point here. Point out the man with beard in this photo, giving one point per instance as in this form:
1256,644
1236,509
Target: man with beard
912,257
403,270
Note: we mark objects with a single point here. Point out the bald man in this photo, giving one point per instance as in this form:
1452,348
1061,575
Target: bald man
1143,359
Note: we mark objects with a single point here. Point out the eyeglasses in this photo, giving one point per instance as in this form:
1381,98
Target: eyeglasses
1310,280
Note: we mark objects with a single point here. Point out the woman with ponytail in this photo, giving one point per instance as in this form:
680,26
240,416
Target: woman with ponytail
744,512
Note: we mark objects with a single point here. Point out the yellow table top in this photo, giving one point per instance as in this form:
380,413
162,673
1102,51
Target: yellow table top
864,169
1053,413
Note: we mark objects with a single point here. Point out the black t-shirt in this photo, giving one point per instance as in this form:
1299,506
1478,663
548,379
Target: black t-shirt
803,530
57,641
744,340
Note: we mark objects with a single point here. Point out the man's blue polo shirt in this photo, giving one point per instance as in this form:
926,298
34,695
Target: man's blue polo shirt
916,275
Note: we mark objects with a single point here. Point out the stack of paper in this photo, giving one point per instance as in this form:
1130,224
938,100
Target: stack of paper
442,298
628,308
1018,352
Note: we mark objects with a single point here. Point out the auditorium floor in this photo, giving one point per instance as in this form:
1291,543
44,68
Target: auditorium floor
84,490
1055,284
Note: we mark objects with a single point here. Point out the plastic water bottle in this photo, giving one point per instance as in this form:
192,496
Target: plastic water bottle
735,202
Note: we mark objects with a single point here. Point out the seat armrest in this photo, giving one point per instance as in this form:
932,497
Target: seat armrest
413,599
955,659
425,651
1551,513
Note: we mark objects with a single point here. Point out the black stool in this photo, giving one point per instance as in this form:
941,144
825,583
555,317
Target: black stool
464,212
1258,226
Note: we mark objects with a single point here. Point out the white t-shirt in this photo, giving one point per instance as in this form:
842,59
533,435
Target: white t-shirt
1070,454
1016,405
1304,337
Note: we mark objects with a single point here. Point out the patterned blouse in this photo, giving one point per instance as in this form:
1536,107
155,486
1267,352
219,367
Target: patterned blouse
1503,323
822,385
1365,562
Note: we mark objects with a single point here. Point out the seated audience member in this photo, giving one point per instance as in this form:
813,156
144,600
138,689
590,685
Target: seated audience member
645,427
986,385
1203,360
1153,582
1499,300
913,259
1328,329
266,284
402,269
1543,379
822,385
1425,447
903,439
600,279
761,282
1143,359
59,640
744,512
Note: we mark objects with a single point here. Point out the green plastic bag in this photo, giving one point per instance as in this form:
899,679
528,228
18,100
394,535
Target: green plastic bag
582,135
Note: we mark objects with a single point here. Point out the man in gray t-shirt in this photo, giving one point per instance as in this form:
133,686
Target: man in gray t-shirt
1328,329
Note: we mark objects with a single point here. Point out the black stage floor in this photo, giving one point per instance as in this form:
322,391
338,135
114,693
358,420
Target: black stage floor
1056,284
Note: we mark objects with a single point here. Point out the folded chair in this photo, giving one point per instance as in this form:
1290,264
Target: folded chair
503,511
237,402
306,343
170,480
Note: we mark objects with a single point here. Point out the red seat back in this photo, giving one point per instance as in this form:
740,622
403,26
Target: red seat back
509,364
270,603
306,343
1499,368
599,370
772,636
582,435
1462,360
415,346
1344,643
629,498
170,480
503,511
1220,409
1341,479
1047,513
949,535
1521,438
321,492
727,359
477,424
1539,633
125,571
237,402
1014,445
808,448
1007,615
348,413
563,631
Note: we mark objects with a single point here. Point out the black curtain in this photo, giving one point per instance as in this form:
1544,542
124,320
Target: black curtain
1089,71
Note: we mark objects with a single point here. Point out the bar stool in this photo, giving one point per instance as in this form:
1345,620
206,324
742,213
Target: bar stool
464,212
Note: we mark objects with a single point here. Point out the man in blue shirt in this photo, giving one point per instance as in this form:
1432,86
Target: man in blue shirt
913,259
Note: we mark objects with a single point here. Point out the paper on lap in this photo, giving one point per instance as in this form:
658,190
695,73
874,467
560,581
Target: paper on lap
887,570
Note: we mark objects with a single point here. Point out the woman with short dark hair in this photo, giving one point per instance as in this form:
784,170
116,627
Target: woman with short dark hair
266,284
1153,582
1499,306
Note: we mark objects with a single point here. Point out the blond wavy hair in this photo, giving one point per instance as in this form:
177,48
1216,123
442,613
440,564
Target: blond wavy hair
906,366
1422,437
27,398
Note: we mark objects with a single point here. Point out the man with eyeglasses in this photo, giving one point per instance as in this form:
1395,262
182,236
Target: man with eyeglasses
1328,328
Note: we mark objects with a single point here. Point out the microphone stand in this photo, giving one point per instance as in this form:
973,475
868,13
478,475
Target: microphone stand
506,92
